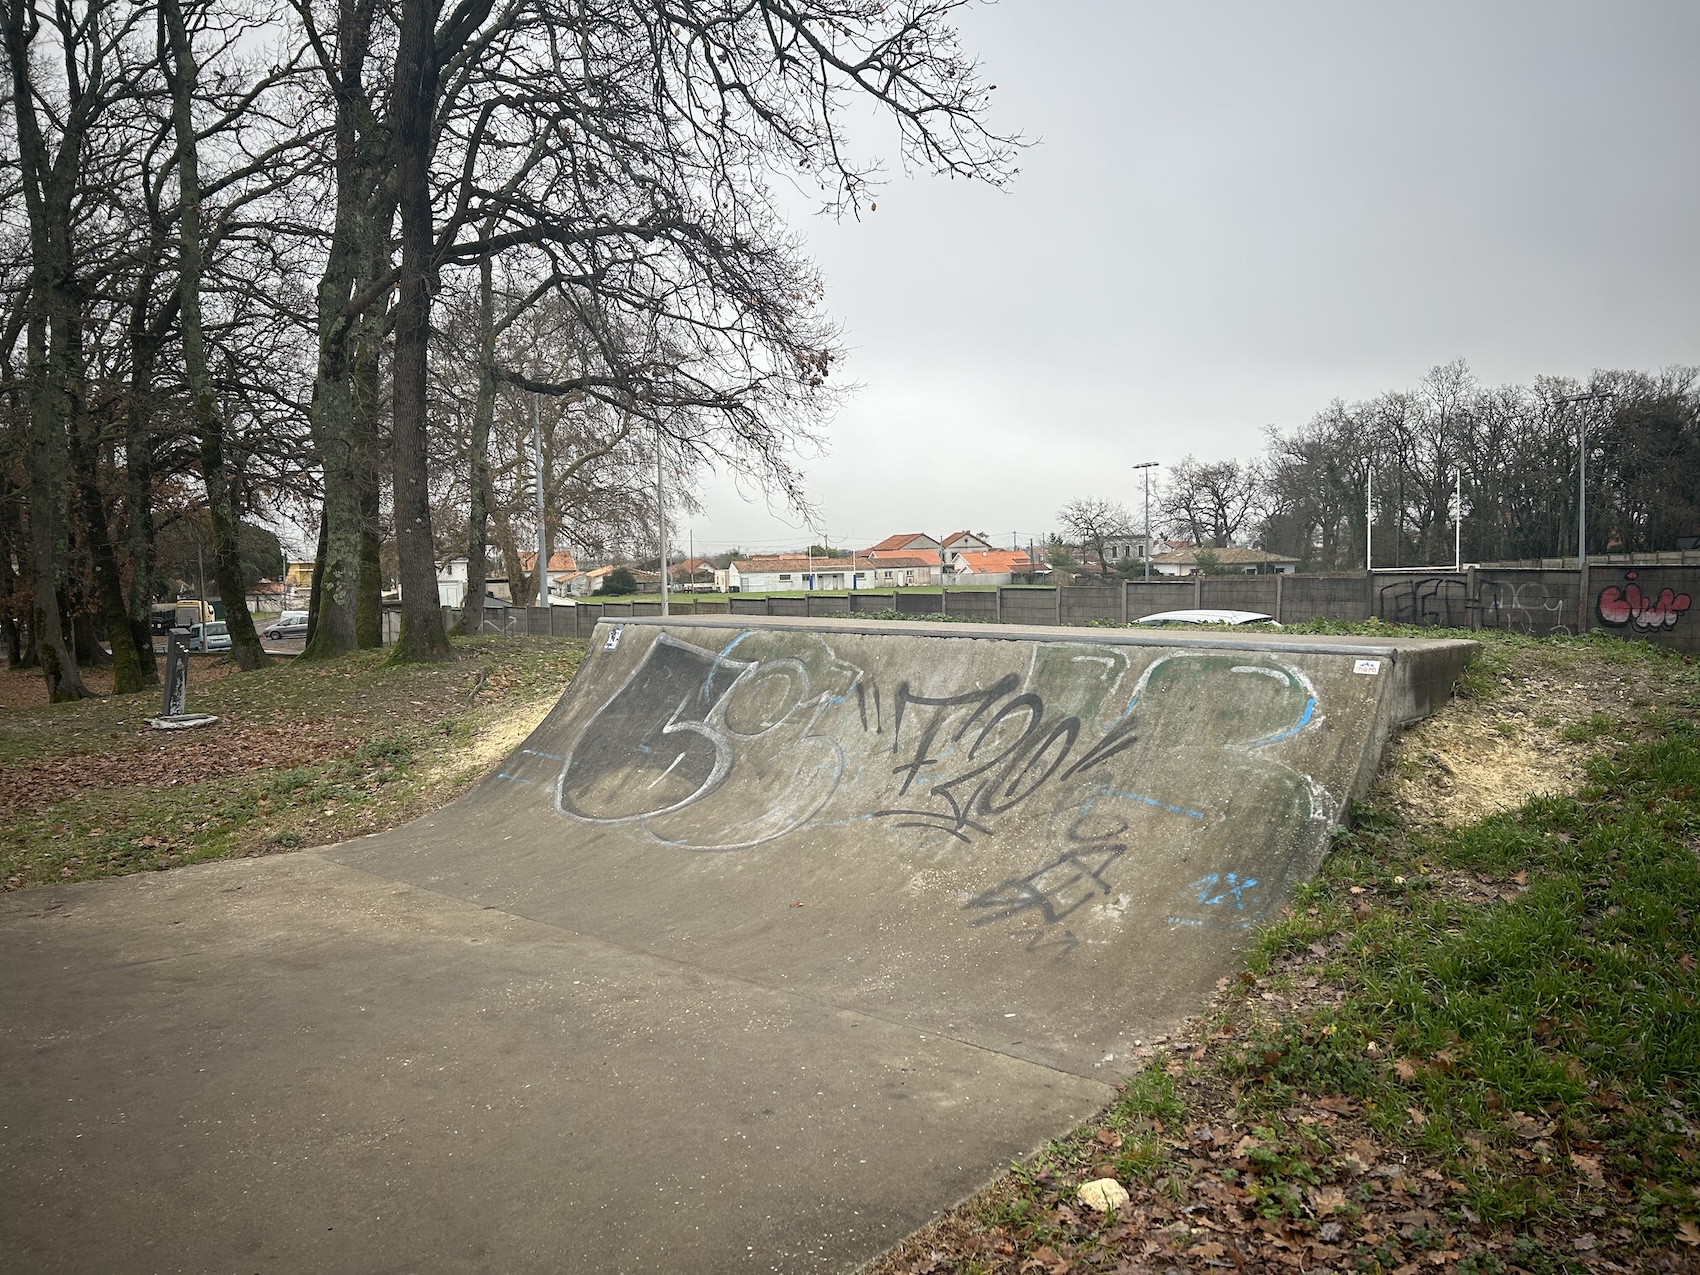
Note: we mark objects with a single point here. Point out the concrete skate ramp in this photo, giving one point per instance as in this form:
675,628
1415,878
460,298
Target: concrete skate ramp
1040,843
773,940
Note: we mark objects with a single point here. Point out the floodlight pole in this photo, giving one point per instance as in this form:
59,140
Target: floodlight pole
1458,522
660,521
1369,518
1592,396
1148,466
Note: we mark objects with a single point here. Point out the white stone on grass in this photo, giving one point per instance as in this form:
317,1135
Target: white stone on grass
1103,1194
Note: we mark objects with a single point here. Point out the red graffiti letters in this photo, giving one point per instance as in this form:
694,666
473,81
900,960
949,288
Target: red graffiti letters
1628,605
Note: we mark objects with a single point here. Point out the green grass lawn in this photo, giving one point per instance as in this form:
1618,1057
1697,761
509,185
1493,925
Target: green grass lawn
303,754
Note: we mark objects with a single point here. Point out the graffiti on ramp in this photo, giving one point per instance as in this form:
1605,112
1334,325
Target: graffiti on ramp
1158,773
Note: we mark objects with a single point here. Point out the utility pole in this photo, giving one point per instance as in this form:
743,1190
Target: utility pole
1369,518
542,518
660,521
1148,466
1458,523
1592,396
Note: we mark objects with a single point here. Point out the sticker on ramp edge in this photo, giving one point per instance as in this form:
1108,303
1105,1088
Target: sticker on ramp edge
614,639
1367,667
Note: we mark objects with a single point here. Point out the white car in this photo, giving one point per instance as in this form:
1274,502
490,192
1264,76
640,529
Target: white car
1207,615
209,637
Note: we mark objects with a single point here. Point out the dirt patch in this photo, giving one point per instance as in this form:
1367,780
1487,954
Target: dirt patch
1476,757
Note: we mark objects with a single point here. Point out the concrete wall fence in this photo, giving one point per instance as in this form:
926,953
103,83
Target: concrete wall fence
1652,600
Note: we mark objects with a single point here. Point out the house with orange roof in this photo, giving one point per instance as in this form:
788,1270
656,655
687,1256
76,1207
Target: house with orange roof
904,542
958,543
992,566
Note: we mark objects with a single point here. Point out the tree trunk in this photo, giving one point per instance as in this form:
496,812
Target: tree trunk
126,663
49,185
413,103
337,576
483,417
519,580
138,467
215,473
369,598
369,461
11,549
315,594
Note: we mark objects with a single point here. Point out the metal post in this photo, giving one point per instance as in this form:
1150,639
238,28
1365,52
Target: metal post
660,521
1369,517
1582,469
1582,490
1458,523
542,519
1148,466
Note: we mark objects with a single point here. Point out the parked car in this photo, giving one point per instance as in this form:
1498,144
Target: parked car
1208,615
289,626
209,637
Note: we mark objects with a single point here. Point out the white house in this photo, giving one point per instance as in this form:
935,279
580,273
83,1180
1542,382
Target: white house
451,582
960,542
782,573
1184,562
903,543
896,570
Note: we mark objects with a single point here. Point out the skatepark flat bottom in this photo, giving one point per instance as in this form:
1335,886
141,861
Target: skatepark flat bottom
771,942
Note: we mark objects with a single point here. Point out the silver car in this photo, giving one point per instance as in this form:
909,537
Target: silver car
209,637
291,626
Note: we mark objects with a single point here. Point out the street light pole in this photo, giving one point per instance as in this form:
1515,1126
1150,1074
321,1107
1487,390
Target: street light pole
1592,396
1148,466
660,520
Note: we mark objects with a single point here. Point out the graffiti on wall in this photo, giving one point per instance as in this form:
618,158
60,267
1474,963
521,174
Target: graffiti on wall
1129,766
1426,601
1628,606
1538,607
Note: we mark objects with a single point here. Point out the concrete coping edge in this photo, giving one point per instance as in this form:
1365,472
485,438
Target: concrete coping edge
1014,633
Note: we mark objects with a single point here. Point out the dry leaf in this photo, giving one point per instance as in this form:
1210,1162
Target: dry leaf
1689,1234
1417,1116
1405,1069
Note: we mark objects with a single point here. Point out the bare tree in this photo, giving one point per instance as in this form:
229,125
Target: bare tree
1093,524
1213,502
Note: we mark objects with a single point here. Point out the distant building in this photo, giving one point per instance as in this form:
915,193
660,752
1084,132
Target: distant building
268,595
993,566
958,543
898,571
1184,562
562,569
782,573
451,582
297,585
904,542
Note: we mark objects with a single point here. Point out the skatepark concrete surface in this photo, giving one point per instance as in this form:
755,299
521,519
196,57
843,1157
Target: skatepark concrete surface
776,938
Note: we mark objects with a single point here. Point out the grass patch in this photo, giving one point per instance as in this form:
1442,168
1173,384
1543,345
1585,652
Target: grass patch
1472,1048
1553,1035
304,754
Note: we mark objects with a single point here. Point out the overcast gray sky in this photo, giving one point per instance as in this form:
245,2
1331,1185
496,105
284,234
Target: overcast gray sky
1234,212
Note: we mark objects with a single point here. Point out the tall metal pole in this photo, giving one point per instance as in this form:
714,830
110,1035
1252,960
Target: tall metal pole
542,518
1148,466
1582,488
1582,468
1369,518
660,521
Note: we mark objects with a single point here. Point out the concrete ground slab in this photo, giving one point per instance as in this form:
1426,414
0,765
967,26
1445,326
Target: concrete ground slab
774,939
291,1065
